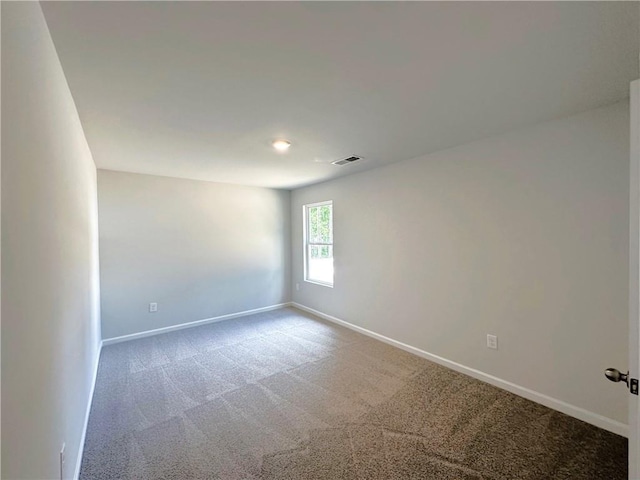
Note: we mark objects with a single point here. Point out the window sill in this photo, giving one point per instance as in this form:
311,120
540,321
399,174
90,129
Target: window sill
322,284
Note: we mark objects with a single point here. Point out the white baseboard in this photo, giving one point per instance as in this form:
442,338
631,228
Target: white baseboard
553,403
76,473
196,323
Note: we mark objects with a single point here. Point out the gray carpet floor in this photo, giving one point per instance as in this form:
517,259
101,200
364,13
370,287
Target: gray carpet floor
284,395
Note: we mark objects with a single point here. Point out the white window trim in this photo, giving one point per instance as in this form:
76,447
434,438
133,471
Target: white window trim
305,209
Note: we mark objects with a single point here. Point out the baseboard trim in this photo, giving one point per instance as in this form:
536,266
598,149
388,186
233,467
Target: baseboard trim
76,473
196,323
553,403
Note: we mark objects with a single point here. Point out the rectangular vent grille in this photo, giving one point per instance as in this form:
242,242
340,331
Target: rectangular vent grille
346,161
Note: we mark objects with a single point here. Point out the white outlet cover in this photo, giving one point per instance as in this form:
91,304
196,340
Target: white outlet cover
492,342
153,307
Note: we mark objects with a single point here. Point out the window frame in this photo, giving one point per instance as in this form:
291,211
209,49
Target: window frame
306,245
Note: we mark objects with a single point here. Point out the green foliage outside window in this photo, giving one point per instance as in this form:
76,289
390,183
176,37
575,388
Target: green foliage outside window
320,231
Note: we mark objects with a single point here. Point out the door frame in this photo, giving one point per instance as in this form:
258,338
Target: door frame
634,278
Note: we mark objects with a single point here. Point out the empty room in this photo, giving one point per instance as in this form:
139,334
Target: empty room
320,240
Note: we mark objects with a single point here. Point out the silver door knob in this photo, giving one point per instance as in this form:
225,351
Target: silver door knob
615,375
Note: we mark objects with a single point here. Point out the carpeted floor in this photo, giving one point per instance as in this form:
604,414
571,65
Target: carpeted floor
284,395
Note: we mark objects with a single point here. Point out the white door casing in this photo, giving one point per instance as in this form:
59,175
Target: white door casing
634,281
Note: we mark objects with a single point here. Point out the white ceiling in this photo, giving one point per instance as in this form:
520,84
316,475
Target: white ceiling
199,90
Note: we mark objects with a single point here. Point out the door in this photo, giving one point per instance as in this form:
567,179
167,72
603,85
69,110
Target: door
634,283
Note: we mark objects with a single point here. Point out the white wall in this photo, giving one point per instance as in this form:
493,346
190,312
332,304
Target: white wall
198,249
50,308
523,235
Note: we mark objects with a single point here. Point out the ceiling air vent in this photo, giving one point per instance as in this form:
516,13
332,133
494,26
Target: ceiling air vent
346,161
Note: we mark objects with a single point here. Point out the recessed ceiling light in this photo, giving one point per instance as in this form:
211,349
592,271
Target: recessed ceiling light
281,145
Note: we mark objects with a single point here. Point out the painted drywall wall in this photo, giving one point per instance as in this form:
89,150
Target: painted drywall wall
198,249
50,290
524,236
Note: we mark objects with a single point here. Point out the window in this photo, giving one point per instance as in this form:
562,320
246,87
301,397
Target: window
318,243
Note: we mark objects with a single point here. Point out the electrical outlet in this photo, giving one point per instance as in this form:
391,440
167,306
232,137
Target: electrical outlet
153,307
297,287
62,459
492,342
